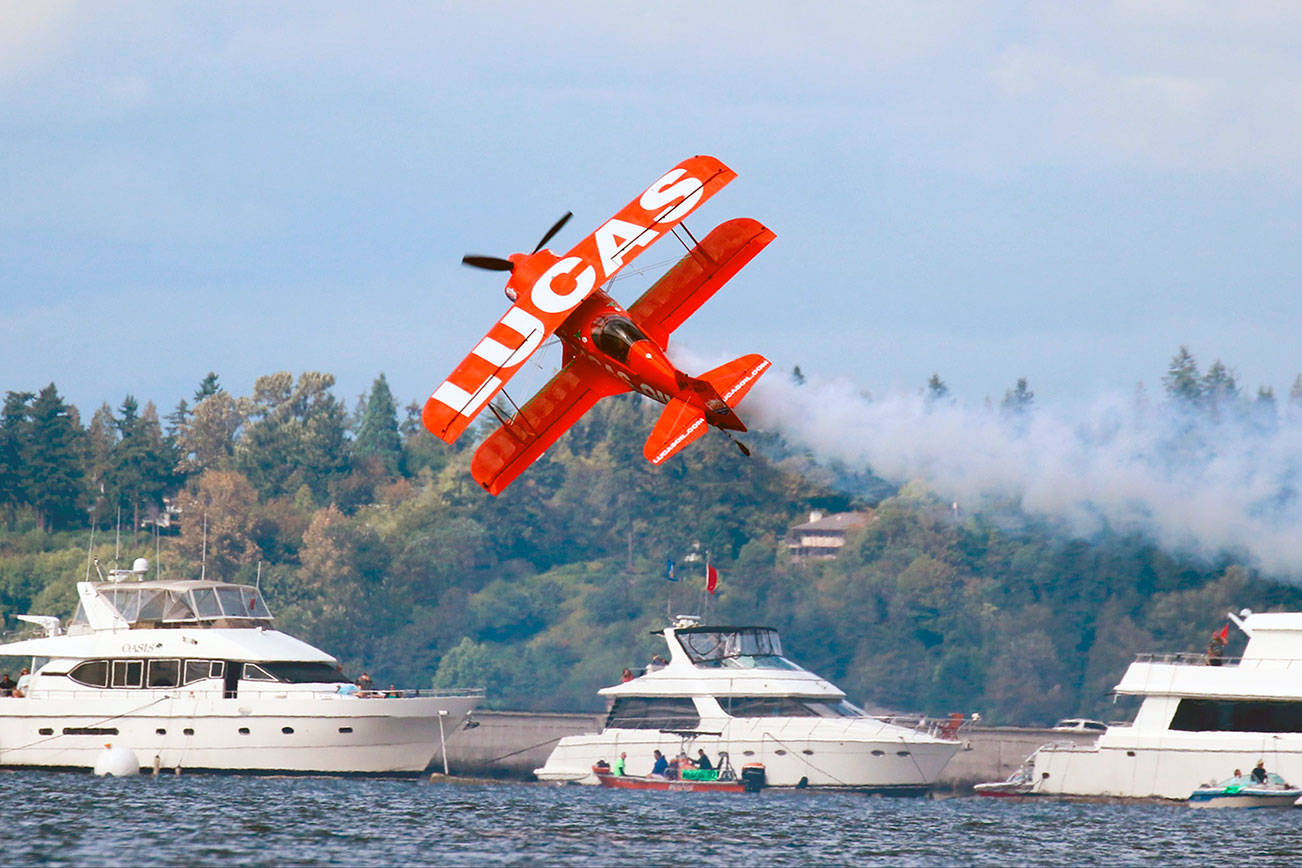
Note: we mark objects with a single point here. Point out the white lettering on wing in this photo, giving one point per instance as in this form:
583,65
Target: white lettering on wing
673,444
752,374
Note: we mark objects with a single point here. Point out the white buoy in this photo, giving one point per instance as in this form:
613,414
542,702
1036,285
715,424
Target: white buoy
117,761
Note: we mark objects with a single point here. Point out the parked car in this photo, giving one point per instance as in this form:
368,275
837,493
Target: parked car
1080,724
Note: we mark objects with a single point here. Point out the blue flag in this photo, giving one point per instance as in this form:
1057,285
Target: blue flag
669,570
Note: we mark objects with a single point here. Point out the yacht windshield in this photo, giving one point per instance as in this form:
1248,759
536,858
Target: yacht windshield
154,605
741,648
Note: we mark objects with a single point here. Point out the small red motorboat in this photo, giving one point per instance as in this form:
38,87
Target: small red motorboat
751,783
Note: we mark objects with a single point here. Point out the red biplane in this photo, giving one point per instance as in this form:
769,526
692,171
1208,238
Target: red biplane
608,350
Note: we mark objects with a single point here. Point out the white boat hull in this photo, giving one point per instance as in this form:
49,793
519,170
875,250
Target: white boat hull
796,760
289,733
1171,766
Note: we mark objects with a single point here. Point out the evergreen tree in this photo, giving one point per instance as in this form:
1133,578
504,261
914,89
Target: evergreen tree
797,376
142,465
1218,387
377,435
53,460
1017,400
101,438
207,440
15,425
936,388
1182,382
178,418
1295,393
207,387
296,435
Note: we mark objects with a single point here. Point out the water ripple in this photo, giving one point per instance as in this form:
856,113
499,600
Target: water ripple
72,819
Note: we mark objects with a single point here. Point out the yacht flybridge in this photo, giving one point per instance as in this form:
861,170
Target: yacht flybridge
730,690
191,675
1202,716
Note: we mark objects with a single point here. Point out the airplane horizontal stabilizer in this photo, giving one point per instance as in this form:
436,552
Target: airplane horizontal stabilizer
679,425
733,380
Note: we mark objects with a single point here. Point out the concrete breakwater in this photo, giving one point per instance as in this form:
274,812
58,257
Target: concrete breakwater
511,744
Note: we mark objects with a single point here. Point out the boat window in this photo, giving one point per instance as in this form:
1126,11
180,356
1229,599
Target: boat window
767,706
79,616
152,603
833,708
177,608
164,673
1237,715
128,673
747,648
126,601
254,672
242,602
305,673
205,603
615,336
198,670
653,712
92,673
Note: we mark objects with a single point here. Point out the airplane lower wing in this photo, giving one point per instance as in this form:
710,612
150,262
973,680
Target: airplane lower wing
697,276
510,449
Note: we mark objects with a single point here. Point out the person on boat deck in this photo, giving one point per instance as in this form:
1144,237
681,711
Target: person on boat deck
619,764
657,662
1259,773
24,678
702,761
364,681
627,676
1215,650
7,685
661,765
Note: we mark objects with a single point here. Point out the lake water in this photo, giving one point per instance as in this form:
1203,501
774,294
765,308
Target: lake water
54,818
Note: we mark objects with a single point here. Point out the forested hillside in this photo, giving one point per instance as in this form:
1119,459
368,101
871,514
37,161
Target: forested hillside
374,543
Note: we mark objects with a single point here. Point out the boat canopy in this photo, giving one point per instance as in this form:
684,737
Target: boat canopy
199,603
715,644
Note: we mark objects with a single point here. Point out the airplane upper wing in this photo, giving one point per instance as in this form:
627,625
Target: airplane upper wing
547,289
697,276
510,449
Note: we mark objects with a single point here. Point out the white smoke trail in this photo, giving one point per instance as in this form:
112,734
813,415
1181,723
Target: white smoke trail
1195,482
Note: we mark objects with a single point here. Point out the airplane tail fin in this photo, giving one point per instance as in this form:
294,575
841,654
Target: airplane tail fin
679,424
733,380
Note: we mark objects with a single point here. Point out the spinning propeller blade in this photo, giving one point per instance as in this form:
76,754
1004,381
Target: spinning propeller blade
488,263
556,227
496,263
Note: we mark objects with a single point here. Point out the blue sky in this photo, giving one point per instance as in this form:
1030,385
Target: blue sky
1065,192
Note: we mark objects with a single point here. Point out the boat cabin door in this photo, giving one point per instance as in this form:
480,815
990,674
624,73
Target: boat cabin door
231,678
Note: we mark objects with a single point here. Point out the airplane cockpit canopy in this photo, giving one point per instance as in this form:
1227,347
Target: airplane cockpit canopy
615,335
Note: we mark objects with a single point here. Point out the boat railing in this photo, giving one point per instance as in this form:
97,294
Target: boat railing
947,728
1186,658
244,693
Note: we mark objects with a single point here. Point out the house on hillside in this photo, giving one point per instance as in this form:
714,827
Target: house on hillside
822,536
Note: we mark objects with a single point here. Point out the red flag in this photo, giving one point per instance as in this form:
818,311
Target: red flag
1224,633
711,578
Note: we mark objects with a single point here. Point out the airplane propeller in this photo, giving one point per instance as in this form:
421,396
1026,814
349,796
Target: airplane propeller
496,263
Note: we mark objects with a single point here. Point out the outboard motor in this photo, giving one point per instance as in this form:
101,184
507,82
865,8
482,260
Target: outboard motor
752,777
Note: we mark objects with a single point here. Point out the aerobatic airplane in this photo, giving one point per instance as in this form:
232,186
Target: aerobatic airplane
608,349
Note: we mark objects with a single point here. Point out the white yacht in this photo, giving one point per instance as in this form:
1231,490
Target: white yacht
191,675
1201,717
730,690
